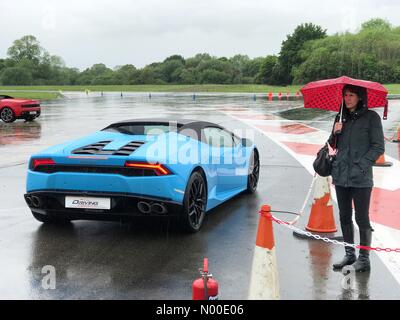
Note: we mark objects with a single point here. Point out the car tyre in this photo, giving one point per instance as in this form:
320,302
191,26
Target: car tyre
254,172
30,118
194,203
7,115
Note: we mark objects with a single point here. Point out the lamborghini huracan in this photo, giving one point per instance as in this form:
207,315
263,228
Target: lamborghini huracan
146,167
13,108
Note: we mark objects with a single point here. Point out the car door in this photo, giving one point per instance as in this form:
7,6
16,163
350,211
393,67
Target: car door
239,162
221,152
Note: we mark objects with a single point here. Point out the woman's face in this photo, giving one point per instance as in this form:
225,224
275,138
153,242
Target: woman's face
351,100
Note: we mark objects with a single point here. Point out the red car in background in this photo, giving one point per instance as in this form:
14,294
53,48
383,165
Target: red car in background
13,108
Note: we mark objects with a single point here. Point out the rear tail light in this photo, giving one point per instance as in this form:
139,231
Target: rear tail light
35,163
32,105
158,168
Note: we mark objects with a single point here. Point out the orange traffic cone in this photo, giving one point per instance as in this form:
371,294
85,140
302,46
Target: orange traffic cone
264,282
381,162
321,216
270,96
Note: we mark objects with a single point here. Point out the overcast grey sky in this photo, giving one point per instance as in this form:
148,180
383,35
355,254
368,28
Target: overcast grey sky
117,32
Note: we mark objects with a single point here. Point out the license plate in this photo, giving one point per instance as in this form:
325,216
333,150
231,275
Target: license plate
32,112
87,202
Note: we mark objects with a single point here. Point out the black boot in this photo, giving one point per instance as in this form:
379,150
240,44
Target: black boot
362,264
350,257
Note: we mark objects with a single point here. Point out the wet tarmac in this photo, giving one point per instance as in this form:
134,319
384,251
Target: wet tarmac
151,259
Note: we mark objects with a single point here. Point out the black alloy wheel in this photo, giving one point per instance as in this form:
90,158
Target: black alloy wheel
254,172
7,115
194,203
30,118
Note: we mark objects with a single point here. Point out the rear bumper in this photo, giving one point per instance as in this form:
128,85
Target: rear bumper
29,114
169,187
52,202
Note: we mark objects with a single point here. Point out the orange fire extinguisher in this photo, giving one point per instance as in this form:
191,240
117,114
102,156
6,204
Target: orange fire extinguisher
205,288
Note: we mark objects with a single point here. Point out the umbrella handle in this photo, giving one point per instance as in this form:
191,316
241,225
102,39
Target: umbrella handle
385,110
338,132
341,111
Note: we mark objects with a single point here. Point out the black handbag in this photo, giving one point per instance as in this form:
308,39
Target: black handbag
323,162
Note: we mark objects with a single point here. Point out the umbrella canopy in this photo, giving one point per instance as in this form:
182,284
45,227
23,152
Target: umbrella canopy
327,94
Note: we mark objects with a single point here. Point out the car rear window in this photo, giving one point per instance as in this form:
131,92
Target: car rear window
5,97
142,129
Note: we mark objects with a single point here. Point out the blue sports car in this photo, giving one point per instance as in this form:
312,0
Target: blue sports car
142,167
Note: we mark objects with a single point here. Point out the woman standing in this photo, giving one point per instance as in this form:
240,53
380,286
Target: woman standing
359,142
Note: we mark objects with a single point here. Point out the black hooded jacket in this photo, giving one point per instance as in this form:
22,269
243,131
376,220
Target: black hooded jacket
358,147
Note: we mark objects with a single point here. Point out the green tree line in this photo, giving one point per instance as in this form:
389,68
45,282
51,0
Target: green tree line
308,54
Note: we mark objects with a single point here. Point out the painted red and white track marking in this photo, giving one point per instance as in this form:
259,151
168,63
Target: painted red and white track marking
302,142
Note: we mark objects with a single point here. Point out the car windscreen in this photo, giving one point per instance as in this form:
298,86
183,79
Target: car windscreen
142,129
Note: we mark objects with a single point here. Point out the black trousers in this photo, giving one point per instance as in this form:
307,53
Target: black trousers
361,198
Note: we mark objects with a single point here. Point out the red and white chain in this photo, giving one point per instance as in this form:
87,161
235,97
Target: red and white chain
318,237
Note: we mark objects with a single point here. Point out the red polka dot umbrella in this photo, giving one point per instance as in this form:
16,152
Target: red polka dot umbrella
327,94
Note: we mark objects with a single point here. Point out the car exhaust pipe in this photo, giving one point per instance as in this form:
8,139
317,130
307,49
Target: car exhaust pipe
28,201
36,202
158,208
144,207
